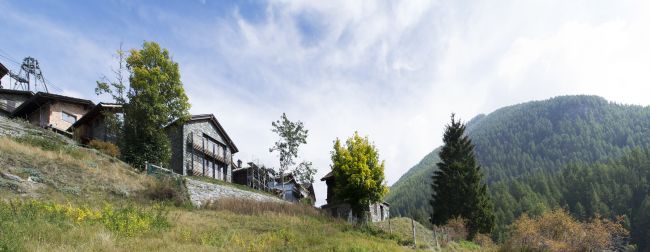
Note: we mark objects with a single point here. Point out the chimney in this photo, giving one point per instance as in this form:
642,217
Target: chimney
238,163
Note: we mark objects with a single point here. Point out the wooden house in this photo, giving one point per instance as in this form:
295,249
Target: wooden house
53,111
253,176
378,211
201,147
96,124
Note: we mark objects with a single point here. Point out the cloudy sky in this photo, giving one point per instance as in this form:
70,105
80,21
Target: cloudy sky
391,70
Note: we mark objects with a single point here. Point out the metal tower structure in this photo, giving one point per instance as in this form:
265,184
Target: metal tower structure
29,77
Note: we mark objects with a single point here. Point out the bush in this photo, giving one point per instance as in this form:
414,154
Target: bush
456,229
107,148
557,231
167,189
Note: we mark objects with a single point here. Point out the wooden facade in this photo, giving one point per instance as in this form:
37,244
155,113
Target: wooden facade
95,125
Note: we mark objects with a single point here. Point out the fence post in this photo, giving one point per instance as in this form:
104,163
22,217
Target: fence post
414,241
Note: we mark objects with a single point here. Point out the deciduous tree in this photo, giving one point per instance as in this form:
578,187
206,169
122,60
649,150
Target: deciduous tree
358,173
155,99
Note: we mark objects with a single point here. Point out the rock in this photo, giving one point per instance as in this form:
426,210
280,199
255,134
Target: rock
11,176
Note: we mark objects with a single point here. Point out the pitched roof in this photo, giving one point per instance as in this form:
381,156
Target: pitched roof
16,92
41,98
328,176
93,113
212,119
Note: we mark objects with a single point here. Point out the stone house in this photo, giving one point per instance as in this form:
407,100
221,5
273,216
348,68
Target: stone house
53,111
95,125
201,147
378,211
10,99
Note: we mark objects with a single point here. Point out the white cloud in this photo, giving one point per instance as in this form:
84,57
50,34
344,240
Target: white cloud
391,70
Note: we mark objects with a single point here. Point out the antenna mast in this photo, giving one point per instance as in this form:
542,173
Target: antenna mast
29,76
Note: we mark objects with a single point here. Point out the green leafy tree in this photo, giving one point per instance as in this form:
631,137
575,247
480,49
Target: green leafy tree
458,190
359,174
292,135
155,99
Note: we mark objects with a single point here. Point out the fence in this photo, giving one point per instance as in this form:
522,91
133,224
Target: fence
155,169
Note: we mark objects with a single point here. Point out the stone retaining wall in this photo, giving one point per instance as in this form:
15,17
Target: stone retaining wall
201,192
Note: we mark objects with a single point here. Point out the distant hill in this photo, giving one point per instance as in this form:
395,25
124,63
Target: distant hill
518,142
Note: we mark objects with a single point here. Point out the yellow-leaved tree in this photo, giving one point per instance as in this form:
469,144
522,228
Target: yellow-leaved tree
359,174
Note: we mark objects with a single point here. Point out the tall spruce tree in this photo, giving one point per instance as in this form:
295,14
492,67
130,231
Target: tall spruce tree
458,190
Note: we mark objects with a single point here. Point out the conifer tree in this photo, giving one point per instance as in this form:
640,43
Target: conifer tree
458,190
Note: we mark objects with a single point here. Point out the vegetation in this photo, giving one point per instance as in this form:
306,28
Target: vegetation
107,148
154,99
292,135
576,152
359,174
556,230
458,189
98,203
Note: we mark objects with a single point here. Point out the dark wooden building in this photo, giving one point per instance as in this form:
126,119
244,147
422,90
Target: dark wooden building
253,176
96,124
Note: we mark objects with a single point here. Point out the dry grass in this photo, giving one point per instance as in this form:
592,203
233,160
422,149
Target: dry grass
252,207
85,177
71,171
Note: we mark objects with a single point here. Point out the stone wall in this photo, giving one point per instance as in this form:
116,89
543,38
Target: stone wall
201,192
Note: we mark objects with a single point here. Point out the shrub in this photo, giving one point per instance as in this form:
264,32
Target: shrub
557,231
456,229
483,241
107,148
169,189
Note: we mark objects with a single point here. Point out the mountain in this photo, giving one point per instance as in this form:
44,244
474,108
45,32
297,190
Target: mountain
533,140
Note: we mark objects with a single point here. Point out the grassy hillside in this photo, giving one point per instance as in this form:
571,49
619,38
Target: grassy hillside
532,138
69,198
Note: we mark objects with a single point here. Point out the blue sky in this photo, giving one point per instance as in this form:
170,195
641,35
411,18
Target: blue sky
392,70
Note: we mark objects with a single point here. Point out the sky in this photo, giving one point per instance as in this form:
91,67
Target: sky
391,70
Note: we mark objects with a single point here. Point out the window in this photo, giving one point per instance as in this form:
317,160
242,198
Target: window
68,117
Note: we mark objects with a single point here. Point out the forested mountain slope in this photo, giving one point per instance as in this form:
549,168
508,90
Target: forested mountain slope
538,138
